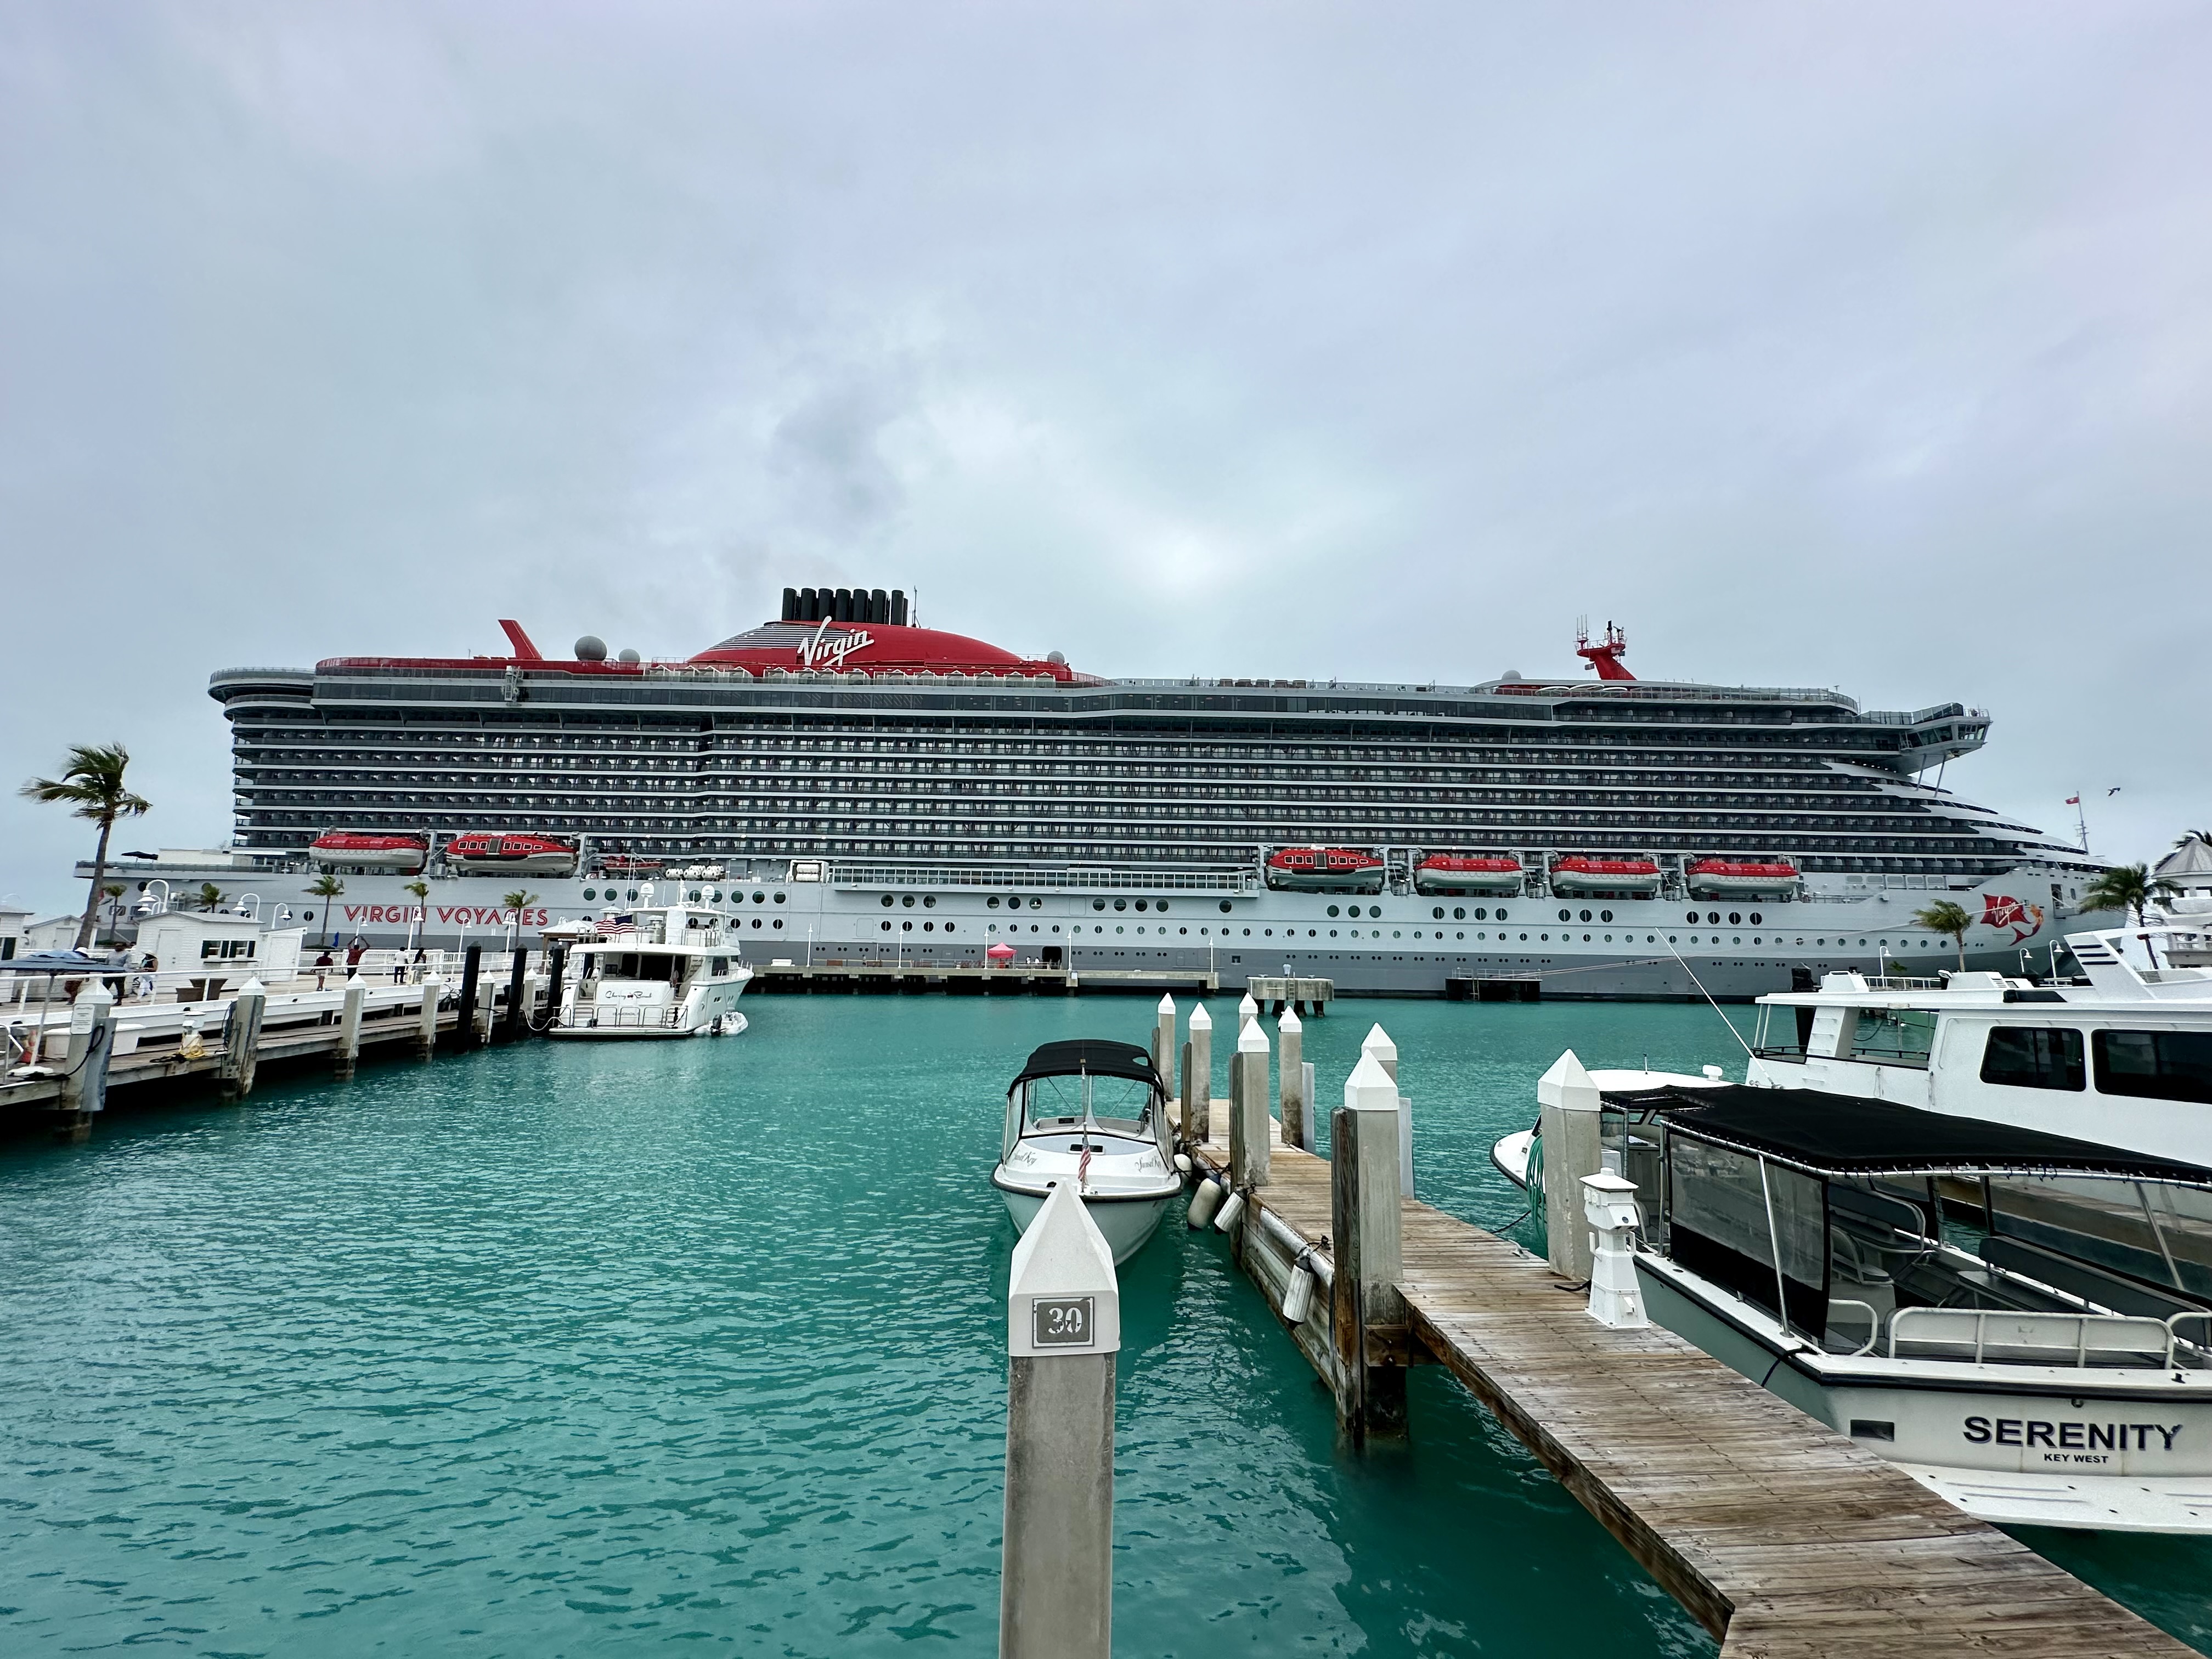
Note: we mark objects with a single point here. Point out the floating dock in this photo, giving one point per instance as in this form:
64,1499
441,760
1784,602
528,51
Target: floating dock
1782,1537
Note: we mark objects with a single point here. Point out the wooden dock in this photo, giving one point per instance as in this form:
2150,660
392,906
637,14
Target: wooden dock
1785,1539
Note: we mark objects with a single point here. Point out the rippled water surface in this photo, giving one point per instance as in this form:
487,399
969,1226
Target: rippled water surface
578,1349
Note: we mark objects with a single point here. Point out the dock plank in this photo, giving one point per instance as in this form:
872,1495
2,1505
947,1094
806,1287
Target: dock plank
1784,1538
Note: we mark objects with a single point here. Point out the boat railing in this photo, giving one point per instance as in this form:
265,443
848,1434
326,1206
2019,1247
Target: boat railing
2005,1336
1873,1318
630,1016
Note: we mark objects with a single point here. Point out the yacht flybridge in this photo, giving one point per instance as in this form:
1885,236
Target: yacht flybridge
2058,1373
1092,1113
2123,1060
653,972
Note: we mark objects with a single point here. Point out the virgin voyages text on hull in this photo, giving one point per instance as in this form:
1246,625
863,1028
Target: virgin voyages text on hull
866,788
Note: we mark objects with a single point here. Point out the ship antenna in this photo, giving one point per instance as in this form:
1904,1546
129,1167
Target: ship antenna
1716,1007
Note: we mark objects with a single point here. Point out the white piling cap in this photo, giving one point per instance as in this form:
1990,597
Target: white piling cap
1200,1020
1167,1006
1289,1022
1377,1039
1252,1040
253,987
1247,1008
1369,1087
1062,1297
1568,1086
433,977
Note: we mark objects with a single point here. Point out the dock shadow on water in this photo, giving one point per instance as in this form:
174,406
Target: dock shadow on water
567,1350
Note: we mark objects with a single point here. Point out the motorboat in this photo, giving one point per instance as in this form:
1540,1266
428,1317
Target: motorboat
377,850
1460,873
1091,1112
665,971
2124,1058
1577,873
1325,870
491,852
2058,1372
1741,878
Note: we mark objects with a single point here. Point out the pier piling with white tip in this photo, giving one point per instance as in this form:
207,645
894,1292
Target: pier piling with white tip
1366,1224
1249,1118
1291,1072
1198,1079
242,1041
426,1018
1568,1122
349,1051
1164,1043
1063,1328
84,1073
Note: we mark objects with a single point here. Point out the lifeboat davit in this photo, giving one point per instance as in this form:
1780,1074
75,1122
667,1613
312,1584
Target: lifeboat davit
487,852
1727,877
1325,870
1454,872
1589,875
627,864
368,849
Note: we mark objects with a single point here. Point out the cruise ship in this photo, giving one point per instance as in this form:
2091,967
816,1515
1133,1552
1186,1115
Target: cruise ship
859,787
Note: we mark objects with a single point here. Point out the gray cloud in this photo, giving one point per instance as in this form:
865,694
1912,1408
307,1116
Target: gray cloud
1828,344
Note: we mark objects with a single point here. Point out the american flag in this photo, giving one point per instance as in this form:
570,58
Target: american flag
617,925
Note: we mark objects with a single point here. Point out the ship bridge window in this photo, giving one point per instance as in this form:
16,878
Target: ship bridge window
2031,1057
2153,1065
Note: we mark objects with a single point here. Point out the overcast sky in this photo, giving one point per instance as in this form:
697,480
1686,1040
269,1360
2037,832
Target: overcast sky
1859,345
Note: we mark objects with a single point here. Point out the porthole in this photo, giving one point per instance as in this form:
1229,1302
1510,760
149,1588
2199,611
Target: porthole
887,927
907,899
1182,930
888,901
1459,935
991,904
1332,932
1691,918
1121,930
1248,932
904,926
761,898
1605,915
1735,918
778,922
1586,939
1224,907
1546,937
1585,915
1754,918
1459,913
1141,904
1160,905
1481,913
1671,939
1394,933
1332,909
1566,916
1608,938
928,926
948,926
1524,938
928,903
1712,918
1100,905
1438,913
1500,914
589,896
1120,904
756,922
715,895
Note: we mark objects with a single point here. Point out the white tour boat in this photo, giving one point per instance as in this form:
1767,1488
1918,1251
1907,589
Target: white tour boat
670,971
2058,1372
1092,1113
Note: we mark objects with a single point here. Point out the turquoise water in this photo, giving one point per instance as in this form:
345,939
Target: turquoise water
596,1349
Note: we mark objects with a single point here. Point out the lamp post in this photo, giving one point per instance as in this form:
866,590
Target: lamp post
146,904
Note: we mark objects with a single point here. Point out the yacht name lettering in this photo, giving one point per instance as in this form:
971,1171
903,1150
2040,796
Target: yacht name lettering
476,916
2088,1436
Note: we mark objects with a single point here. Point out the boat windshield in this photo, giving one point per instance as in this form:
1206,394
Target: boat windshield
1052,1103
649,966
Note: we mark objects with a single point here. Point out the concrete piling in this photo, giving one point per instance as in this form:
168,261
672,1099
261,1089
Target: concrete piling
241,1040
1248,1110
1377,1042
426,1027
1164,1043
349,1054
1197,1104
1568,1122
1064,1327
1365,1224
1291,1071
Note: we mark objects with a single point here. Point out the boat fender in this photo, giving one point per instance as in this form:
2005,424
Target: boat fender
1230,1212
1202,1204
1298,1295
1183,1163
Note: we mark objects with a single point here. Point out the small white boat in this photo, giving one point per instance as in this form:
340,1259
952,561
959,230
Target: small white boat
1092,1113
664,972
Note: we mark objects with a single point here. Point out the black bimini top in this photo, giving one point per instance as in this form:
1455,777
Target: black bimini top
1831,1135
1093,1055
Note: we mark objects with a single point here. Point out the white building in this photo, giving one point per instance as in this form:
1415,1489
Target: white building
13,919
2188,866
218,944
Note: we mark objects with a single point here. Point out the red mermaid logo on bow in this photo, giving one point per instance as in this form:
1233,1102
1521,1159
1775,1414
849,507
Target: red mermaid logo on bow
1999,910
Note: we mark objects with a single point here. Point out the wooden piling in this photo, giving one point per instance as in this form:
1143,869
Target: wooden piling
349,1053
1164,1043
1568,1121
242,1041
1365,1225
1377,1042
1197,1104
426,1022
464,1029
1248,1110
516,1021
557,970
1291,1071
84,1071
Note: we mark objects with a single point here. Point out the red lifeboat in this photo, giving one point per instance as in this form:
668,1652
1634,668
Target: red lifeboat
1735,878
1325,870
492,852
629,864
1456,872
1633,877
370,849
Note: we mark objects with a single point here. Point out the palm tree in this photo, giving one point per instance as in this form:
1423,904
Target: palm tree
92,782
212,897
2128,887
1945,917
517,901
420,891
2188,836
327,887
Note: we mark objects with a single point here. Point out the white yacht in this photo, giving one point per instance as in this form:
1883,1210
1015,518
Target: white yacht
1091,1113
670,971
2123,1060
2058,1372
